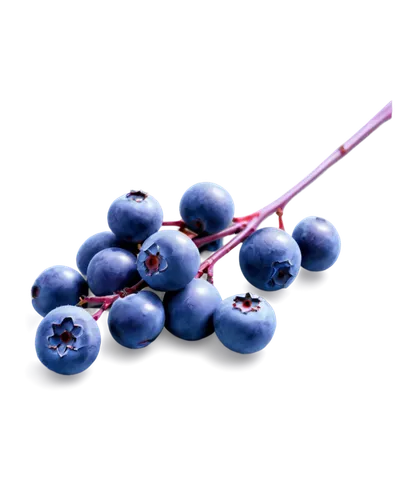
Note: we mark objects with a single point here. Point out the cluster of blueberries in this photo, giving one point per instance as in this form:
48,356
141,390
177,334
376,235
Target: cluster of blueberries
68,338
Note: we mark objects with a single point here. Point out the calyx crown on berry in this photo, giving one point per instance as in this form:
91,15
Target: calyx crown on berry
246,303
137,196
64,337
153,261
281,273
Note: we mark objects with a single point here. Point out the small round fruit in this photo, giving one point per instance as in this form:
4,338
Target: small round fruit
136,320
270,259
207,207
244,323
319,243
189,312
92,246
67,340
57,286
168,260
135,216
111,270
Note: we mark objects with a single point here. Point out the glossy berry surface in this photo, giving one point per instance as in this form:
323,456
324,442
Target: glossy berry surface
67,340
207,208
270,259
319,243
244,323
57,286
168,260
136,320
135,216
92,246
189,312
111,270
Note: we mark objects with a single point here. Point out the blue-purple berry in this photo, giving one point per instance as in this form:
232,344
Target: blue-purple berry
135,216
189,312
67,340
136,320
57,286
207,208
244,323
92,246
319,243
111,270
270,259
168,260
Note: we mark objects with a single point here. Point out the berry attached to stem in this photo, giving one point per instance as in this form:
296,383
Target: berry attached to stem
279,213
245,226
254,220
108,300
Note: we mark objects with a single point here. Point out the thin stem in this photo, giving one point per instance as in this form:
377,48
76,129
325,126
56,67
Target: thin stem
234,229
245,226
108,300
279,213
254,220
188,232
177,223
133,289
99,312
94,300
210,275
246,218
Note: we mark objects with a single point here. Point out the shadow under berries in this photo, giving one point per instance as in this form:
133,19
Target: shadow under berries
49,378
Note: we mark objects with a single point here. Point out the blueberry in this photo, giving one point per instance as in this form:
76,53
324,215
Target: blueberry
189,312
270,259
319,243
111,270
92,246
168,260
244,323
136,320
67,340
135,216
57,286
207,207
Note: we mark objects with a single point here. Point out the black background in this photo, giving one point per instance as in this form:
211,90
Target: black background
82,150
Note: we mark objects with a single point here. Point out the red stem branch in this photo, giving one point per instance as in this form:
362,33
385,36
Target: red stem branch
108,300
177,223
234,229
246,218
279,213
245,226
254,220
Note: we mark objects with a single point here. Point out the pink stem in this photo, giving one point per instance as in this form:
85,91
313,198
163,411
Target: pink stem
108,300
235,228
100,311
248,224
94,300
210,275
246,218
178,223
255,219
279,213
133,289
